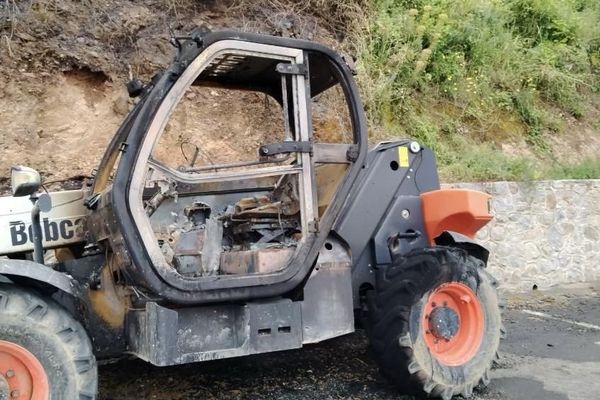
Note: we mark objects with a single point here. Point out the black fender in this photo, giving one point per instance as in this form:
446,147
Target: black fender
40,275
471,246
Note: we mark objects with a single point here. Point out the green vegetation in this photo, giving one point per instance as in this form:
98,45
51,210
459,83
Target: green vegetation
466,77
586,169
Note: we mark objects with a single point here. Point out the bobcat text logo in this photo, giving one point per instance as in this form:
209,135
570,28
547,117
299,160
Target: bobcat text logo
51,231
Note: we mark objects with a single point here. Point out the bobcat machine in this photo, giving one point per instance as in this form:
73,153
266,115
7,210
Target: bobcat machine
178,260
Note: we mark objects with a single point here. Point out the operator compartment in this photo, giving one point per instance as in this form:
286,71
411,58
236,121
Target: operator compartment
243,162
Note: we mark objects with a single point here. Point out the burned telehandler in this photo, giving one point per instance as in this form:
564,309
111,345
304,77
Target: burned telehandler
178,260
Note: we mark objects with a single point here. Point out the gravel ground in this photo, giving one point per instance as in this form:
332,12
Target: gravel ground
542,358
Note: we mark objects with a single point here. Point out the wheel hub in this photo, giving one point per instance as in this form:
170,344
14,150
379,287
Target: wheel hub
453,323
22,376
444,323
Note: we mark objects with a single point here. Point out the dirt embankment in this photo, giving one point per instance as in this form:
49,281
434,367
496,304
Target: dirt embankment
63,66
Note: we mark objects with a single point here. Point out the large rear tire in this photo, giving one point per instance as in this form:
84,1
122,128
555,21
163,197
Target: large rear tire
44,352
434,322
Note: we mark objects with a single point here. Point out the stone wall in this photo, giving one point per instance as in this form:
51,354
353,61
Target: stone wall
543,233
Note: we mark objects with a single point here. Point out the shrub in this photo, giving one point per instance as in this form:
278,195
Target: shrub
427,65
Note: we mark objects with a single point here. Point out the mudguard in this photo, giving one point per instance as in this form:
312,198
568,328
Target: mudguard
455,239
41,274
459,210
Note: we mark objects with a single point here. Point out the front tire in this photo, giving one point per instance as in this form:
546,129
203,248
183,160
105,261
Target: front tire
44,352
434,322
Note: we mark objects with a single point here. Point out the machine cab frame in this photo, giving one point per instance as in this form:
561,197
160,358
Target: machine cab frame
291,72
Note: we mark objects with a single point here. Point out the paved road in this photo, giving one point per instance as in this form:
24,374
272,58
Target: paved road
552,352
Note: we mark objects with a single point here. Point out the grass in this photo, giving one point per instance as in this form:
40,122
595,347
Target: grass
451,74
586,169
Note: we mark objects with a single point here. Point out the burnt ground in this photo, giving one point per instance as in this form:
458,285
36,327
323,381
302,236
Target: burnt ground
545,356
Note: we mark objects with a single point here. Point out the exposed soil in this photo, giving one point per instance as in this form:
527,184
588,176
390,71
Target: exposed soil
226,126
60,125
63,66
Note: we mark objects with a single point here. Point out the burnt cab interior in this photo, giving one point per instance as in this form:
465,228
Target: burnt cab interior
238,172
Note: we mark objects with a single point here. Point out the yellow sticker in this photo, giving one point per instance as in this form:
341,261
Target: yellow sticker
403,156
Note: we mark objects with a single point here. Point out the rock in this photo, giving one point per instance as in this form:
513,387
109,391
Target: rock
591,232
43,134
550,200
121,105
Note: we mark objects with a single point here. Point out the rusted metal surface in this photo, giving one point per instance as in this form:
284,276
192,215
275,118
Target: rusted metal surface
255,261
108,302
328,178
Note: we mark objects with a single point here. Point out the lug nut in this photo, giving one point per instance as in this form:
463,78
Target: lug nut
10,373
465,299
433,304
14,394
445,304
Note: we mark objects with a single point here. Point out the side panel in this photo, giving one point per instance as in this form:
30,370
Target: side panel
385,202
61,226
167,336
327,309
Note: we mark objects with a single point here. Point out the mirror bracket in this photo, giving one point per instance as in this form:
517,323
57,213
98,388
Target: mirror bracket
24,181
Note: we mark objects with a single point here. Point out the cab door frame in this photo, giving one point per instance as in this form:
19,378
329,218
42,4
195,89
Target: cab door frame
125,200
303,132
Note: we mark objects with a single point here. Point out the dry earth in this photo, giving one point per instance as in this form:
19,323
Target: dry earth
63,66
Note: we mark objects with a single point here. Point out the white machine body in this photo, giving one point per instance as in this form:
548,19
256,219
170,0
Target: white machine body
61,226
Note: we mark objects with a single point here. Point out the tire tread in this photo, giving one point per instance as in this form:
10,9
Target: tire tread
45,315
398,288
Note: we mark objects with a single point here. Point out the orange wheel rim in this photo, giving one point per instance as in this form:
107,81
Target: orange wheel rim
22,375
453,323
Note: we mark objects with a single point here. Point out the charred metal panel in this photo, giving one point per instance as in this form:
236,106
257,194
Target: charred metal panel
327,308
275,326
153,334
255,261
210,330
166,336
